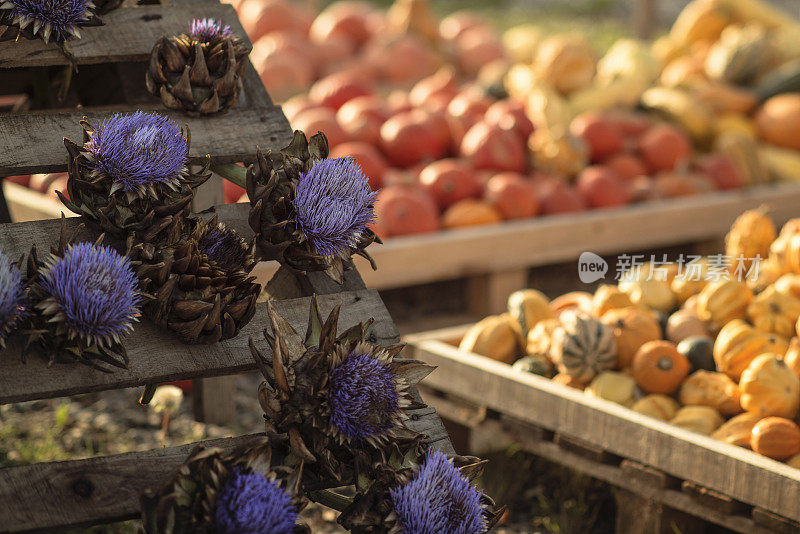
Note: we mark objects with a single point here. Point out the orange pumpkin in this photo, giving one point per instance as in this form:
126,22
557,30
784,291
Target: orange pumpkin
573,300
738,430
683,324
738,344
773,311
750,235
470,212
633,327
658,367
402,210
512,195
770,387
609,297
776,437
706,388
777,120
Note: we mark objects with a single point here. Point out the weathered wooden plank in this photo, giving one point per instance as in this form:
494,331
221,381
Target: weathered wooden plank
33,143
158,356
409,260
43,496
128,34
732,471
527,438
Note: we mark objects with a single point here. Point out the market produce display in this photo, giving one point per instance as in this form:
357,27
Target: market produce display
674,343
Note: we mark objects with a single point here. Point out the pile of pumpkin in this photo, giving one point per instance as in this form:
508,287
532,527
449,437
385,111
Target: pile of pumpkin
675,345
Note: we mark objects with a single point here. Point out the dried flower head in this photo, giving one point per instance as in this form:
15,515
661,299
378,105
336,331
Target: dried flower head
139,152
439,499
225,247
56,19
333,202
250,503
207,30
12,297
93,294
363,396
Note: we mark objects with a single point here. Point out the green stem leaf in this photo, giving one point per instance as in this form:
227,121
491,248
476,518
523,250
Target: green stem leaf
231,172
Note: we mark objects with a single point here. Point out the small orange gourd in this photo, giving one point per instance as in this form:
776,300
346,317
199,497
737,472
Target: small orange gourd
707,388
738,430
776,437
633,327
774,311
770,387
658,367
723,301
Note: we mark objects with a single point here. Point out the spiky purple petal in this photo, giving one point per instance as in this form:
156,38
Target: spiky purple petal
333,203
62,16
95,289
206,30
250,503
363,396
224,247
12,296
139,150
438,499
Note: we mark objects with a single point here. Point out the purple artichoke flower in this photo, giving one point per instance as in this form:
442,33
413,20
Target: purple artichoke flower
139,152
93,291
12,297
363,397
250,503
439,499
206,30
333,203
224,247
58,19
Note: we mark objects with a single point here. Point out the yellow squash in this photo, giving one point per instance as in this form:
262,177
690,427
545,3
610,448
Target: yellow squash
774,311
720,302
770,387
700,419
706,388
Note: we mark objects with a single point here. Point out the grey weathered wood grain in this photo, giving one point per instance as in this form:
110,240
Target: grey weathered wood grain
128,34
158,356
41,497
34,143
732,471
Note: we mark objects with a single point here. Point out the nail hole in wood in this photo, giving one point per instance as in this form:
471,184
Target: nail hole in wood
83,488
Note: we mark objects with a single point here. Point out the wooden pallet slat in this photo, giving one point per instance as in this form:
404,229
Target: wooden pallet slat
732,471
128,34
34,143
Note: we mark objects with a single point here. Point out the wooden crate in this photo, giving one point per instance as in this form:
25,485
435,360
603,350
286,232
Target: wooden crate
97,490
496,258
663,464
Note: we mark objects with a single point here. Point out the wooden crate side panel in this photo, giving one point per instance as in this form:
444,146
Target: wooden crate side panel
34,143
128,34
738,473
409,260
158,356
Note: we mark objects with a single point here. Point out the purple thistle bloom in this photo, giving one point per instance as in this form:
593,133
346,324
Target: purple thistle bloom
363,397
224,247
333,202
12,296
139,150
438,499
56,18
206,30
95,290
250,503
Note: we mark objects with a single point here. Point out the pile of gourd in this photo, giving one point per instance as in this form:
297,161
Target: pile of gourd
675,345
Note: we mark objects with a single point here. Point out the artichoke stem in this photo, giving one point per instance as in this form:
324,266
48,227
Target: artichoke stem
147,394
231,172
331,499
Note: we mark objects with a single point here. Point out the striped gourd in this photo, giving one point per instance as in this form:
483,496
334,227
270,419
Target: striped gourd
583,346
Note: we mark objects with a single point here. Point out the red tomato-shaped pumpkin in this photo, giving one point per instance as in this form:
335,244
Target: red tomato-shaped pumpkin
663,147
602,187
371,160
322,120
513,195
510,115
448,181
336,89
409,138
721,170
403,210
491,147
602,134
627,166
362,117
